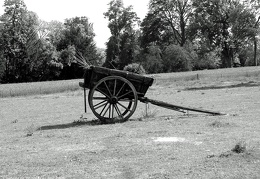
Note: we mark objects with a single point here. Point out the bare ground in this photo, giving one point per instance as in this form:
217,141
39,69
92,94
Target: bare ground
44,137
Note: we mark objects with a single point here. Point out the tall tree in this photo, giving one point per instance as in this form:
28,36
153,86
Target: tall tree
155,31
15,34
77,37
122,43
254,7
78,32
224,22
55,29
176,13
2,61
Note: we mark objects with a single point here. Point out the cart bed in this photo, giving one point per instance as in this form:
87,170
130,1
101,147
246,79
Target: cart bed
93,74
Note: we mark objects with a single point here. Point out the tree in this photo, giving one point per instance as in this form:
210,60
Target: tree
226,23
79,32
55,29
153,62
2,66
176,15
176,58
122,43
47,65
77,37
243,29
15,34
254,7
155,31
2,61
165,27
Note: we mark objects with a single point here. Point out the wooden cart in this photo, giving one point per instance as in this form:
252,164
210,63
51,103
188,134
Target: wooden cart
113,94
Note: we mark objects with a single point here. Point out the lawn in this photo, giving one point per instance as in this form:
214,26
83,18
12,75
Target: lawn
48,136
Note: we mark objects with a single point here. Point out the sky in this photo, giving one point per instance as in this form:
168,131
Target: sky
48,10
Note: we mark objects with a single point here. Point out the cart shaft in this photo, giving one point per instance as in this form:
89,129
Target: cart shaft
176,107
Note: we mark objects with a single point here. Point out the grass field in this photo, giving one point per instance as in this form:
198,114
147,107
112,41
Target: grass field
45,136
29,89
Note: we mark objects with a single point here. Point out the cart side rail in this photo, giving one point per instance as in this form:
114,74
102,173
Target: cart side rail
94,74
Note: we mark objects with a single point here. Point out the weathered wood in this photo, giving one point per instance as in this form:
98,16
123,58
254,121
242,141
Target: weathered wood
176,107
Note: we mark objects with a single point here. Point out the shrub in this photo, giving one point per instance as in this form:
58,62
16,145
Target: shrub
135,68
153,60
209,60
176,58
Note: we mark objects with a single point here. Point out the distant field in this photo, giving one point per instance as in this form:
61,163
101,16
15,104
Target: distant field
232,74
205,76
28,89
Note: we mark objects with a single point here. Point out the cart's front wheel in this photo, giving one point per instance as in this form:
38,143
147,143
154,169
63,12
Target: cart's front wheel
113,99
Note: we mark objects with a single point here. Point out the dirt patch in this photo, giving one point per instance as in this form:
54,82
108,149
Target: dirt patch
219,124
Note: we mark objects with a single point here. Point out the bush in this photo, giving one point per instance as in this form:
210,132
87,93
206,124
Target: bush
176,58
209,60
135,68
152,60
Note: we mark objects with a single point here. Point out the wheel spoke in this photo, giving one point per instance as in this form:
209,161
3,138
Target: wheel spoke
126,100
120,89
112,111
99,105
107,110
108,88
103,109
125,107
100,98
124,94
99,90
109,114
118,111
115,88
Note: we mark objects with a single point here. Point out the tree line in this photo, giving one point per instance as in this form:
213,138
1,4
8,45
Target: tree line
175,35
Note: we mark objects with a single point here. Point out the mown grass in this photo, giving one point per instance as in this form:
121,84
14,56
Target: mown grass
50,87
38,88
227,74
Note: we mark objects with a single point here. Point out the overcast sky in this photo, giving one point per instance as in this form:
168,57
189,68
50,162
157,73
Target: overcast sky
93,9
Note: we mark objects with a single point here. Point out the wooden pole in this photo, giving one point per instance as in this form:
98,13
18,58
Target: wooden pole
176,107
85,100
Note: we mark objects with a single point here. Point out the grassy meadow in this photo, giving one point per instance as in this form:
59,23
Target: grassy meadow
38,88
50,136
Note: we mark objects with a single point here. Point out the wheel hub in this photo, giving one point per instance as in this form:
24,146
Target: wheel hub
113,100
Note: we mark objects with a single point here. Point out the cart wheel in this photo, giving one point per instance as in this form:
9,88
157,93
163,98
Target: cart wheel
113,99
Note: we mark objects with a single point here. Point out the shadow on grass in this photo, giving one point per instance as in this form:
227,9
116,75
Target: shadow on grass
70,125
248,84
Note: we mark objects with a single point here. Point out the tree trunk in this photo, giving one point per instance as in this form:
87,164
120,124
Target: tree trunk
227,61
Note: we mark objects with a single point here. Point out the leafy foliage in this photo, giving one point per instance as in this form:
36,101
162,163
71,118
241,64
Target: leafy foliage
154,31
176,15
226,24
122,44
135,68
17,25
176,58
78,32
152,60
